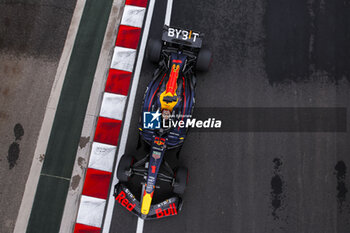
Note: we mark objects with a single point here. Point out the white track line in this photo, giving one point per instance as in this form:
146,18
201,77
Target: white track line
139,228
169,8
128,114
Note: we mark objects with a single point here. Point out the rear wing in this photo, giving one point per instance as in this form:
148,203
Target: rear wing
184,37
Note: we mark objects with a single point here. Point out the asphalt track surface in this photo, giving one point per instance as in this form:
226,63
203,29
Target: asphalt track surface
266,54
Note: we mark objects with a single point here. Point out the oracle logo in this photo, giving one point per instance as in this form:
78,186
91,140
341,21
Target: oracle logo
124,202
170,211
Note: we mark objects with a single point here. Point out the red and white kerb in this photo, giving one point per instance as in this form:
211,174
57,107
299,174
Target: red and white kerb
102,157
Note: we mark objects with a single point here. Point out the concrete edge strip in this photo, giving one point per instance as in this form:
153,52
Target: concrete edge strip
45,130
99,171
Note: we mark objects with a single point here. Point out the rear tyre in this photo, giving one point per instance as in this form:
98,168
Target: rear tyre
180,180
123,168
154,50
203,60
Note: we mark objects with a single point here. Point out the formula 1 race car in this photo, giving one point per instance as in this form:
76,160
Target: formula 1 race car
169,97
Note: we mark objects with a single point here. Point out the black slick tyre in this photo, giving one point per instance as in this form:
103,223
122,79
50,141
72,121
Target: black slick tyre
123,167
180,180
154,50
203,60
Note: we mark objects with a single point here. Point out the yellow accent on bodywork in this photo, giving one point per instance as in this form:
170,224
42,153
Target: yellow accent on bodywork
171,88
164,105
146,203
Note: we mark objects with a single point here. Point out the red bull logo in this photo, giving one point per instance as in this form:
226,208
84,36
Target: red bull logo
159,141
167,212
121,198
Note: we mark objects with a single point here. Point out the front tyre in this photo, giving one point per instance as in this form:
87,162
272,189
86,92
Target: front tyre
181,177
124,167
203,60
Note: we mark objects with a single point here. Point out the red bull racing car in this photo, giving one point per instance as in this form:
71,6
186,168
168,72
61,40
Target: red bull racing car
169,97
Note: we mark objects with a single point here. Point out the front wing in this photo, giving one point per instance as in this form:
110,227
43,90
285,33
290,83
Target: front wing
167,208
